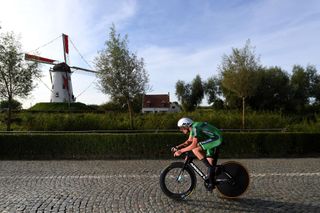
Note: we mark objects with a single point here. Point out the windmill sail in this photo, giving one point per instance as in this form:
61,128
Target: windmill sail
65,41
39,59
60,74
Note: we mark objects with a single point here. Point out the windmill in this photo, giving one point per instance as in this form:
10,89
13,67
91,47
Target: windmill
60,74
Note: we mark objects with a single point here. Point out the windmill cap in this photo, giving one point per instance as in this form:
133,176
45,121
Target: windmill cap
61,67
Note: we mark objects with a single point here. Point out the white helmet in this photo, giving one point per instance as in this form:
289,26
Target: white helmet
185,122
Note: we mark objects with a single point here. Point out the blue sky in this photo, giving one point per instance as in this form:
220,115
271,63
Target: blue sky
178,39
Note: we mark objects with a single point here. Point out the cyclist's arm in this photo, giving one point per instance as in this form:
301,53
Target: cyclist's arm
184,144
193,144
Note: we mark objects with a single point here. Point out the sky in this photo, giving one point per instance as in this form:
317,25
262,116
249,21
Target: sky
178,39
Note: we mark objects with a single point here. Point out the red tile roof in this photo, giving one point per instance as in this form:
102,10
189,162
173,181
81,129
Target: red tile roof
156,101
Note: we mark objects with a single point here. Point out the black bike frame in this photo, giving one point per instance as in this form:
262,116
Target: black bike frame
189,161
197,170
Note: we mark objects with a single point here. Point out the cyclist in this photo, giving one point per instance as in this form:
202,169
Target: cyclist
203,139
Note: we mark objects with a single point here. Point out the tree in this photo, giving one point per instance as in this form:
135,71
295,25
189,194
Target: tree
183,92
315,87
300,85
190,95
121,74
213,91
197,91
305,84
314,84
272,91
238,72
16,76
15,105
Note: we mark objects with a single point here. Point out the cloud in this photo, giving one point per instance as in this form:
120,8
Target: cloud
177,39
168,65
86,23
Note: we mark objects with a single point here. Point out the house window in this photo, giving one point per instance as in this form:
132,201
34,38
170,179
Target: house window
163,103
148,103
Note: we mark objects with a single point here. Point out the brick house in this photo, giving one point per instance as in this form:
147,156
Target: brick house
159,103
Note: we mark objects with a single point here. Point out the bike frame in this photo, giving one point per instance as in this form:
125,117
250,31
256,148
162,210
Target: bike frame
189,161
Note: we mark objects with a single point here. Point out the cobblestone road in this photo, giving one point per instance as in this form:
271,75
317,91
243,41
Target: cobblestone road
277,185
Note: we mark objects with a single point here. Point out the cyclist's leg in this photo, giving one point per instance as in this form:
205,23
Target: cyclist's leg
210,147
213,155
207,146
199,153
216,155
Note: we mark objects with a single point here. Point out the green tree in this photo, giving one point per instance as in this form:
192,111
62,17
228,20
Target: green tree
238,71
197,91
16,76
300,88
305,87
15,105
314,84
316,89
183,92
273,90
190,95
212,89
121,73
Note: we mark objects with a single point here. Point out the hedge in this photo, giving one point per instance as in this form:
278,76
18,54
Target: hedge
29,121
151,145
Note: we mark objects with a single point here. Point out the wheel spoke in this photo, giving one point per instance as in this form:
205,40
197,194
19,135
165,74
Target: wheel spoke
178,180
180,183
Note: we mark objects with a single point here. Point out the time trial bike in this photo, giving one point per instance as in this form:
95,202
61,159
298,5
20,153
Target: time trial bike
178,180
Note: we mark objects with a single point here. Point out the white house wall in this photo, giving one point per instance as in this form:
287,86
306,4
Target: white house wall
155,110
176,109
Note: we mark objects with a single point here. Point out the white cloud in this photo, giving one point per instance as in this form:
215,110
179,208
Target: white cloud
166,66
284,33
86,23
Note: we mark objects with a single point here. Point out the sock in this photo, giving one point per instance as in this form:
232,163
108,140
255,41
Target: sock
206,162
211,173
211,170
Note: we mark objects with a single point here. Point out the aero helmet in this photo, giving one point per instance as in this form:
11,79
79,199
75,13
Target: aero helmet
185,122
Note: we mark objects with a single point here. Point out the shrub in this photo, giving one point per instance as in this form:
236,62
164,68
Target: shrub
151,145
15,105
120,121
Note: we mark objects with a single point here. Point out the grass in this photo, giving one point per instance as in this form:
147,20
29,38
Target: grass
60,107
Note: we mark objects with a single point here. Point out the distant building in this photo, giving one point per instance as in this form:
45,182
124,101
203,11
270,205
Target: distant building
159,103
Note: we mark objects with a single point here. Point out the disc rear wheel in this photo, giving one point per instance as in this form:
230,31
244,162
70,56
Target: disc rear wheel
232,179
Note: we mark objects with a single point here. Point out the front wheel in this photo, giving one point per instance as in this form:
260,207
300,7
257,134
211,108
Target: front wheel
232,179
177,181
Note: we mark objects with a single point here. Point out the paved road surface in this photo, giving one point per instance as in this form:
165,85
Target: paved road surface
277,185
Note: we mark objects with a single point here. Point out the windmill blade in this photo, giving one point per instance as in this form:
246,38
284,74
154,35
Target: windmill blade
65,41
39,59
83,69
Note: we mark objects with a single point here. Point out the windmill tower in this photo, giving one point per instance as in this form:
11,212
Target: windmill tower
60,74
